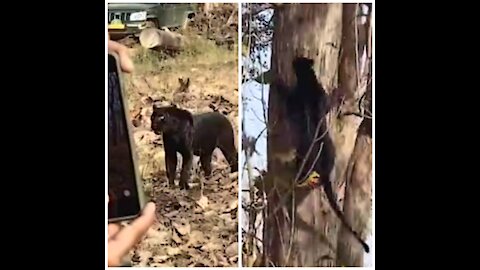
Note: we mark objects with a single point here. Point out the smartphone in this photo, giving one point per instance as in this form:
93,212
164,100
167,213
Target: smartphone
125,193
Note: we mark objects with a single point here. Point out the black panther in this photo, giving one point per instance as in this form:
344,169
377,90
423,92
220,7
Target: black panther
306,107
193,134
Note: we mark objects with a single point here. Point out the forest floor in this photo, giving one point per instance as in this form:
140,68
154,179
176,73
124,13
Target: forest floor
198,227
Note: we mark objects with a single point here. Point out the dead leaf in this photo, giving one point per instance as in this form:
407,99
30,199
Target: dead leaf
232,249
209,213
182,228
210,246
203,202
230,185
160,258
233,260
198,210
196,239
233,205
214,259
144,256
226,217
176,238
222,261
161,265
233,176
172,251
158,237
172,214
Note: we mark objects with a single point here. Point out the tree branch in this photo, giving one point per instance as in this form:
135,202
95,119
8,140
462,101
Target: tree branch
254,9
356,114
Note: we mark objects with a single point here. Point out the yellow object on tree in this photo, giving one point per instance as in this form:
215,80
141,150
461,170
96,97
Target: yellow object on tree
313,180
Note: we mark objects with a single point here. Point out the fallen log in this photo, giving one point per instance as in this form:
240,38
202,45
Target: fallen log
153,38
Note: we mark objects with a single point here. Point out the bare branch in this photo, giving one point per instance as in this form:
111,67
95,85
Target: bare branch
356,114
254,9
252,235
258,117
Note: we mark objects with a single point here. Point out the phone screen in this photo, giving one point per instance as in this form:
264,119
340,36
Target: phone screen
122,186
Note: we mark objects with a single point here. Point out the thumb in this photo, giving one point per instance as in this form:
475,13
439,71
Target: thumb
122,51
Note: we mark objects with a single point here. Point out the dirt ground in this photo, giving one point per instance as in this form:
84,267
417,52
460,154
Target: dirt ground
198,227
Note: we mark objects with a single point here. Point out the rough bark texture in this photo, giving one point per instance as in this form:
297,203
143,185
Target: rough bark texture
313,31
347,72
358,191
344,131
307,30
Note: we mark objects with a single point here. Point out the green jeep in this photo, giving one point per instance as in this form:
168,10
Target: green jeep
129,19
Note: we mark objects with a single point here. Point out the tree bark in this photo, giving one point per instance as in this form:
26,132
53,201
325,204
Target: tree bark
308,237
358,191
302,230
357,203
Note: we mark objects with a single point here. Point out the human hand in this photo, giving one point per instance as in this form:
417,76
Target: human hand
120,241
125,62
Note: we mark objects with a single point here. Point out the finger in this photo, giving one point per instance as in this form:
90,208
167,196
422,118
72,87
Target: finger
131,234
113,229
122,51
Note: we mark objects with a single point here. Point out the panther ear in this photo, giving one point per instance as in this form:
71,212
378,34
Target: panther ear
310,62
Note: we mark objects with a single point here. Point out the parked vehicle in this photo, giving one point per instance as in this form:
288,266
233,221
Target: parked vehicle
130,18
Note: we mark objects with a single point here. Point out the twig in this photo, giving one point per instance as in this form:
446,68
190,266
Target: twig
253,235
282,243
310,148
261,7
256,98
262,85
258,117
260,134
292,226
361,115
316,159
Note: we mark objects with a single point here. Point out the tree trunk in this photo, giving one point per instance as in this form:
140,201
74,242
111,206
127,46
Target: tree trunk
308,237
358,191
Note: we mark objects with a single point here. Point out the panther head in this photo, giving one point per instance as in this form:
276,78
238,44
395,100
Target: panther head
168,119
